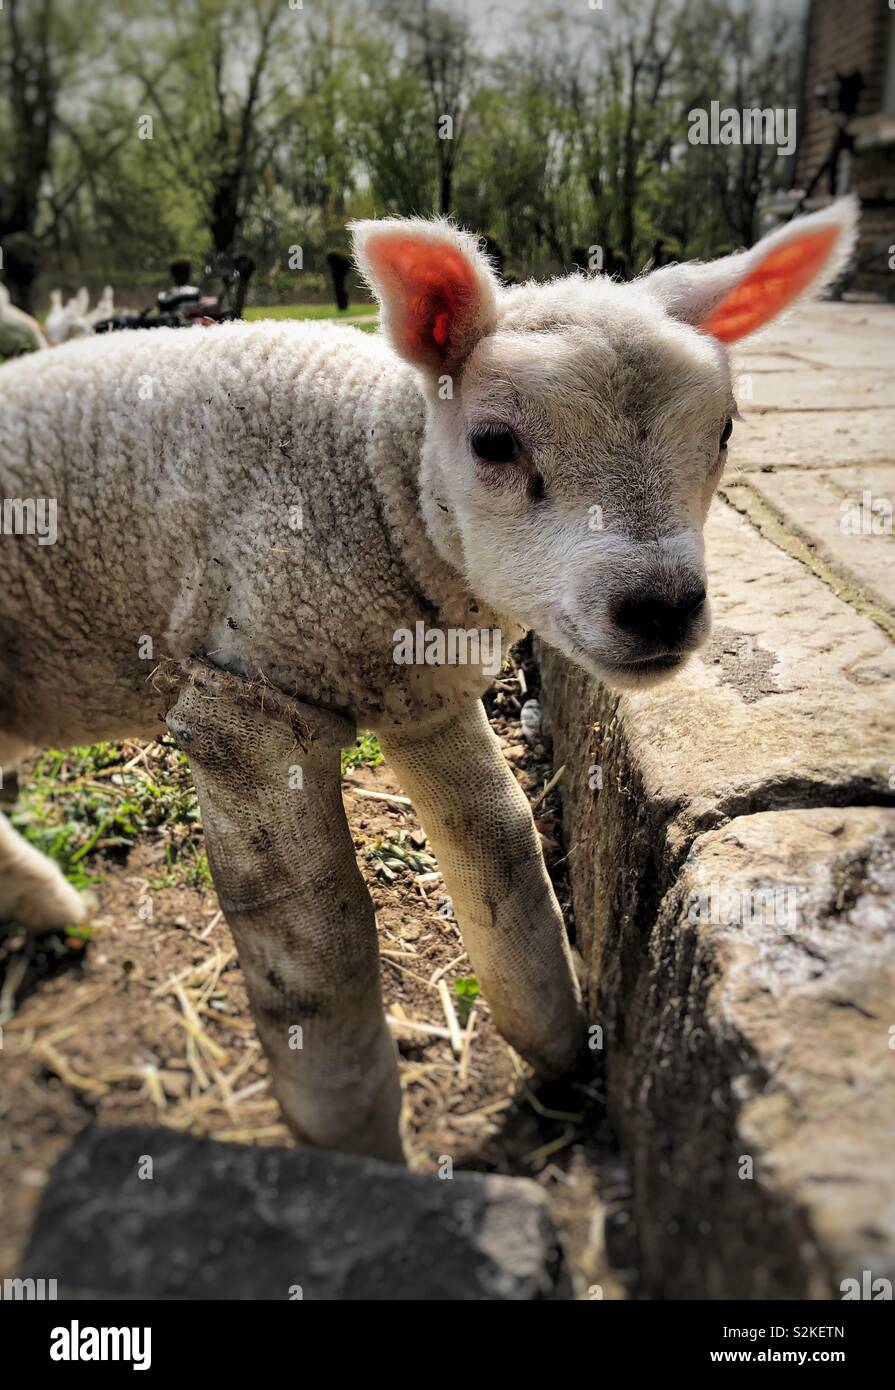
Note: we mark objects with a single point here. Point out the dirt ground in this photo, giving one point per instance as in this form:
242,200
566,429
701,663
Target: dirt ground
147,1021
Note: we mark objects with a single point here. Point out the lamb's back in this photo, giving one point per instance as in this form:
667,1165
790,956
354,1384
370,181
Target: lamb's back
214,492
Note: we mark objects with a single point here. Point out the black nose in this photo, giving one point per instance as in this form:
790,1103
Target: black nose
659,620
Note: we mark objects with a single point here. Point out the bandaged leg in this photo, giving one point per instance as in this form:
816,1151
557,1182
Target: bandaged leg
484,837
267,777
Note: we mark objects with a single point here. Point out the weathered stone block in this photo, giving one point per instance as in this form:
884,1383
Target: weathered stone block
233,1221
757,1089
845,517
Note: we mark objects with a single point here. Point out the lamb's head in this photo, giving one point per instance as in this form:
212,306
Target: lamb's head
578,429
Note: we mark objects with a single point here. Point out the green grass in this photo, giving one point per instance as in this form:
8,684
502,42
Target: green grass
365,752
308,311
80,803
186,868
466,988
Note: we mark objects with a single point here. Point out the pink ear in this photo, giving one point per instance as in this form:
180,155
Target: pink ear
436,290
737,294
775,282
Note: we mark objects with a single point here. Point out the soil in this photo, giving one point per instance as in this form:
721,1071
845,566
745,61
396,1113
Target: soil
148,1022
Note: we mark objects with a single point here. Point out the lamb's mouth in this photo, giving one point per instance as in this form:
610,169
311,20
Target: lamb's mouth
646,666
623,674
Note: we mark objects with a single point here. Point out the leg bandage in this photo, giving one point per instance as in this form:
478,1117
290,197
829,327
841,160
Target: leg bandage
266,770
487,847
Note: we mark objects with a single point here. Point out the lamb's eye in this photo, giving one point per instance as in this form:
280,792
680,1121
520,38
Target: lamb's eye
495,443
726,432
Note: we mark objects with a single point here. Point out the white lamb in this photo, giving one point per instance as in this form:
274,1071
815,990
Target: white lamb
54,324
20,328
104,309
70,320
262,531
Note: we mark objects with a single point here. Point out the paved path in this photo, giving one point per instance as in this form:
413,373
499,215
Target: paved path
815,456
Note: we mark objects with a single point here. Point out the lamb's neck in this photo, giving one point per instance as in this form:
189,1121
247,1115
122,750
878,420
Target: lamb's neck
396,449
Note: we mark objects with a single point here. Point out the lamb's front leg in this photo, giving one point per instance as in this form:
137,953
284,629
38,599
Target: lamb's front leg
484,836
284,866
33,891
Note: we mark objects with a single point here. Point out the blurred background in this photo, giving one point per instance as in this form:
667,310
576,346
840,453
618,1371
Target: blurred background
240,136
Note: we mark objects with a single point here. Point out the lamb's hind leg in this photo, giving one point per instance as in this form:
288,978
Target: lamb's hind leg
33,891
284,866
482,829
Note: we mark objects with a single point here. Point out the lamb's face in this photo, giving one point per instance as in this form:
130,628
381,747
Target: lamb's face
574,467
577,430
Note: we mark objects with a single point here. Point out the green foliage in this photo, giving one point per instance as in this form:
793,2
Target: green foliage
15,341
74,806
365,752
272,127
309,311
466,988
391,858
394,138
185,867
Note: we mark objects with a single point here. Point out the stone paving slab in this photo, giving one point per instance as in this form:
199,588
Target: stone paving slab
846,516
746,362
806,388
811,439
831,335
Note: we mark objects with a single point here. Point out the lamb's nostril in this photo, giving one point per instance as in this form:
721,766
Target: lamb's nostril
659,620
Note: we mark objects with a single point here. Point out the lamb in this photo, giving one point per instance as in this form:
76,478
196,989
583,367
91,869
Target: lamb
104,309
19,332
69,321
250,517
55,322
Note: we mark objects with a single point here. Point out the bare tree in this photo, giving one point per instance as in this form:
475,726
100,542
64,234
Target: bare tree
439,46
32,94
213,98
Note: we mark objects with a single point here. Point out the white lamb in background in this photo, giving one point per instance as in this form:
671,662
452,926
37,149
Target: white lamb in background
19,332
55,321
77,315
105,307
272,532
68,321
